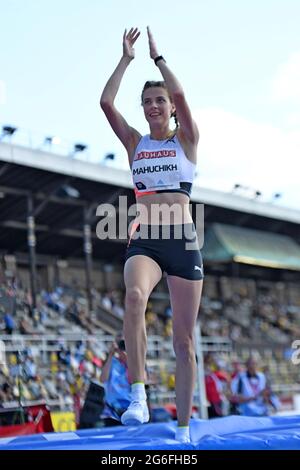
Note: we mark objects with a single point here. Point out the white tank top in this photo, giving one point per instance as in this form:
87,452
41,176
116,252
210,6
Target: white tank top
161,166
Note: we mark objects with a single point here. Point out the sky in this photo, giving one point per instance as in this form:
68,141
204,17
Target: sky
238,62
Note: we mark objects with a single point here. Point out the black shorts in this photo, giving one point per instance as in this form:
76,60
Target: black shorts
174,248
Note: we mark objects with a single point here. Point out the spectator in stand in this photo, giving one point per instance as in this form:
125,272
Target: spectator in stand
168,322
168,313
152,321
216,383
30,367
6,393
250,391
272,398
106,302
116,382
236,368
25,327
9,323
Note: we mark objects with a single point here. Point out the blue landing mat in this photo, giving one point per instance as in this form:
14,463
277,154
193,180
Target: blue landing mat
230,433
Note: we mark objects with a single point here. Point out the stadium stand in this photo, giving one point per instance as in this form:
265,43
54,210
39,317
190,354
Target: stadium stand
61,298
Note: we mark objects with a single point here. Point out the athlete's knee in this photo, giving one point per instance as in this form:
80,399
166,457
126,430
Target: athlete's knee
184,347
136,296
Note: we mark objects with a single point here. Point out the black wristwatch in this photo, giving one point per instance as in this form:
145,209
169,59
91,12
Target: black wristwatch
160,57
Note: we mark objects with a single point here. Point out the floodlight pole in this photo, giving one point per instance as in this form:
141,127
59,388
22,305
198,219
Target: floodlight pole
31,242
88,248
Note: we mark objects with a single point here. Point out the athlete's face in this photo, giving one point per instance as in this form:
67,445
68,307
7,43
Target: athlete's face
157,106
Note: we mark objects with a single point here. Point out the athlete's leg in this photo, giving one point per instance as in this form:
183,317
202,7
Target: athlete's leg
185,298
141,274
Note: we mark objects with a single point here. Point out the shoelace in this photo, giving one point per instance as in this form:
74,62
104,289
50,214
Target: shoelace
135,404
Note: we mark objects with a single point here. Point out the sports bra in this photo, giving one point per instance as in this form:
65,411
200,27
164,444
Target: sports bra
161,166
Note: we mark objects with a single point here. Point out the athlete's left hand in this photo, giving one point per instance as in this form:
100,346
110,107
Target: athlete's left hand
152,46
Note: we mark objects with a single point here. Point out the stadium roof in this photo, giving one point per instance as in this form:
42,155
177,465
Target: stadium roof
225,243
100,173
59,220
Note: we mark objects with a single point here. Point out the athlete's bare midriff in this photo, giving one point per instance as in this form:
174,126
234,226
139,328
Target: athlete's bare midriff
163,209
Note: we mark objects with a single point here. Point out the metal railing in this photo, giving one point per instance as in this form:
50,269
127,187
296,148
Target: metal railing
42,345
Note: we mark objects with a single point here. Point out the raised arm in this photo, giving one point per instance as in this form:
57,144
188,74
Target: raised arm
127,134
187,124
107,365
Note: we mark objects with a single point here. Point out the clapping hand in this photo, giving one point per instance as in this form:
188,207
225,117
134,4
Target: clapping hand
152,46
128,42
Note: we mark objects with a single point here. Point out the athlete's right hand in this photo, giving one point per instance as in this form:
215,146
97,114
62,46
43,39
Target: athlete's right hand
128,42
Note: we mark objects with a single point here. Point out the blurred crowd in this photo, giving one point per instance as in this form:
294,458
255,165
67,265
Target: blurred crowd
237,388
242,310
